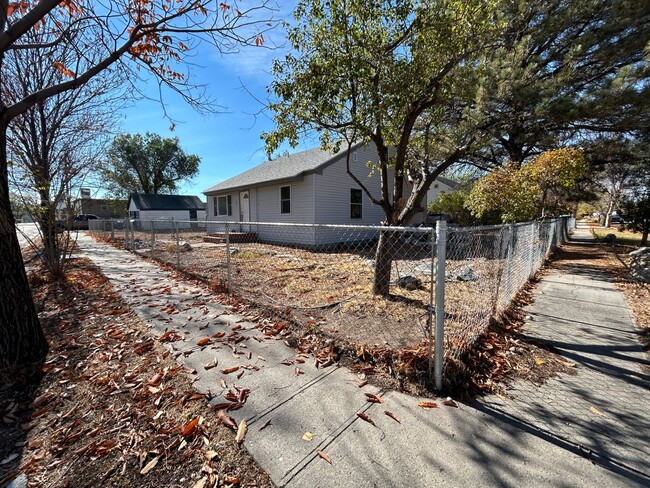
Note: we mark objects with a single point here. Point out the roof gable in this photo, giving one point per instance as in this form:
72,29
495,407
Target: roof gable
453,184
148,201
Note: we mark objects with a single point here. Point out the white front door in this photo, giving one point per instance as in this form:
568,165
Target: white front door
244,208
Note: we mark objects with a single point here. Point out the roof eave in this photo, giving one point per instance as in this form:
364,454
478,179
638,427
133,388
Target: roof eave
278,181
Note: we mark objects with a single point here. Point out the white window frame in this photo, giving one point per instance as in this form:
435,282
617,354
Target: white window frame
285,200
352,204
228,206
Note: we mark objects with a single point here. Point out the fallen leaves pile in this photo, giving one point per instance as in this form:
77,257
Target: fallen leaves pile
112,406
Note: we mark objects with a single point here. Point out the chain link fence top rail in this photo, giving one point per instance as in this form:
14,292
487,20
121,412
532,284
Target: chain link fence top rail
322,276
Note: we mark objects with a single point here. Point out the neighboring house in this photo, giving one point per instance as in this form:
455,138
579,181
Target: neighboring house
102,207
440,186
310,187
145,207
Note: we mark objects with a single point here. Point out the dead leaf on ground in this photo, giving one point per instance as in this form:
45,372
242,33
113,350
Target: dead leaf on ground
210,455
230,370
241,432
150,465
203,342
450,403
371,397
595,411
190,426
428,405
365,417
211,364
324,456
201,483
155,381
307,436
227,420
393,416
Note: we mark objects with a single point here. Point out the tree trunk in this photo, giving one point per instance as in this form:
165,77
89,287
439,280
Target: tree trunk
52,248
608,213
386,250
644,237
21,337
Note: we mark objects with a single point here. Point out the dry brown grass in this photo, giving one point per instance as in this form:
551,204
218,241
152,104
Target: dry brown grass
624,237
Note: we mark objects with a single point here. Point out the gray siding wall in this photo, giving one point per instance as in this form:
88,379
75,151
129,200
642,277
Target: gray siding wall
332,190
332,197
435,190
265,207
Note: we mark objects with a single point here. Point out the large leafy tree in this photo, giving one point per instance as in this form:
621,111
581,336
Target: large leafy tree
156,36
147,164
536,189
400,74
565,67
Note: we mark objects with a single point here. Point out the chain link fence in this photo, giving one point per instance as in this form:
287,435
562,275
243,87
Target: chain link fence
371,287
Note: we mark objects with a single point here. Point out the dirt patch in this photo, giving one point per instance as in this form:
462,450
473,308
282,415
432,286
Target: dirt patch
111,407
332,289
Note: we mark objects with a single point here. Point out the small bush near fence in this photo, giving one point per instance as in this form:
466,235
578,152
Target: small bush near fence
321,277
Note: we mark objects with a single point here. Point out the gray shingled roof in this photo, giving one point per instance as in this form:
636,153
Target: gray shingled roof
145,201
446,181
286,167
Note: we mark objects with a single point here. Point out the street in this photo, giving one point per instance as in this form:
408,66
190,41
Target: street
26,232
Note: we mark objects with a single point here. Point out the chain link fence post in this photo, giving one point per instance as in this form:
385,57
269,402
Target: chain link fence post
132,228
178,246
112,229
441,248
228,274
431,297
153,237
511,246
531,264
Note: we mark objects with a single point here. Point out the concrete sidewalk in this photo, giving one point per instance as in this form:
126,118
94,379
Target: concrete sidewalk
605,408
465,446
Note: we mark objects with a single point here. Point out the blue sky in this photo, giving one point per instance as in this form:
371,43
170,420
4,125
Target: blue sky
227,142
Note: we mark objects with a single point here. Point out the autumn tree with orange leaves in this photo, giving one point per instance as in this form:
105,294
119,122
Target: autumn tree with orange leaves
157,36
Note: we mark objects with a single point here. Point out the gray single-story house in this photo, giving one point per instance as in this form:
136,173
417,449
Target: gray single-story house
145,207
309,187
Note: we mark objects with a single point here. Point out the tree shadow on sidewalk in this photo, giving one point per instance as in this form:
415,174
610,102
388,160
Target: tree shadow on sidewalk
600,457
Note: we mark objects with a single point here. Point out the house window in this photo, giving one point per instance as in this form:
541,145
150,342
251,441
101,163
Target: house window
436,185
104,208
285,199
223,205
356,203
134,214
